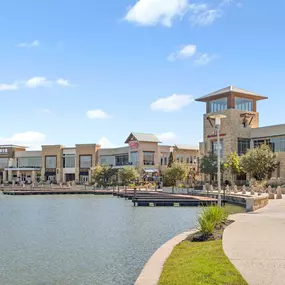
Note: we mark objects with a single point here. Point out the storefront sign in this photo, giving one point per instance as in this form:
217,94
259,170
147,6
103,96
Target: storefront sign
214,136
133,145
51,170
84,169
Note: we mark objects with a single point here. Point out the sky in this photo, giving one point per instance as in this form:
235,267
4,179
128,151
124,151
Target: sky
90,71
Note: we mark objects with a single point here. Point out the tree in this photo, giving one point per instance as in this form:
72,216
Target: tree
192,174
209,164
103,174
259,162
233,164
177,172
170,159
128,174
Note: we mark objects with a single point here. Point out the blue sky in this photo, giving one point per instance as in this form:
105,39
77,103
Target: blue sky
77,71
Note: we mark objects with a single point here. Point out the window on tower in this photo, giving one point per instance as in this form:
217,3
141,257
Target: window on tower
218,105
243,104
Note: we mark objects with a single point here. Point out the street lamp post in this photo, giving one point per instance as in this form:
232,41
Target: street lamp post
218,118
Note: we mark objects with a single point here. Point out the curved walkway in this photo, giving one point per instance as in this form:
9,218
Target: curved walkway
255,244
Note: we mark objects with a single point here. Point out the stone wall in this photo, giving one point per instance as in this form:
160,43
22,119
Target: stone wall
258,202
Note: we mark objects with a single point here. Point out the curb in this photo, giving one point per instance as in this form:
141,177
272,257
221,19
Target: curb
151,272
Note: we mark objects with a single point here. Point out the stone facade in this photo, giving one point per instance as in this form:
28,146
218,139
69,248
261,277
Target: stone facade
238,124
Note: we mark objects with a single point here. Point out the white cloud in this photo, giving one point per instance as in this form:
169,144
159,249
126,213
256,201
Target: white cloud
186,52
8,87
152,12
169,137
190,52
33,44
203,59
38,82
172,103
97,114
202,15
63,82
106,143
45,110
31,139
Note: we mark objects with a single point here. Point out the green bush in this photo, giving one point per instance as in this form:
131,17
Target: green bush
206,226
210,218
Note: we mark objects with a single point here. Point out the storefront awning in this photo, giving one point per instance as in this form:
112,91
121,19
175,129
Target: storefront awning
147,170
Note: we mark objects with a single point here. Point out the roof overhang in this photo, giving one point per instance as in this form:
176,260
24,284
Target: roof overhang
231,90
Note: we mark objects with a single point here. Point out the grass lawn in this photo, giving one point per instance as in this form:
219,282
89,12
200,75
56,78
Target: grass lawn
199,263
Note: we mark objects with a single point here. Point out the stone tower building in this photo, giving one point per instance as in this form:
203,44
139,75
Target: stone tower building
239,107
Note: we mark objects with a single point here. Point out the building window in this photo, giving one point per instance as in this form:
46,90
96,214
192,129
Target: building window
276,144
107,160
134,158
243,104
4,162
161,161
50,161
85,161
187,160
191,159
243,146
122,160
218,105
165,160
32,162
194,161
215,148
68,161
148,158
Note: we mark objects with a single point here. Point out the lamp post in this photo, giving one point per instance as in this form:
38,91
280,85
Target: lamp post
218,118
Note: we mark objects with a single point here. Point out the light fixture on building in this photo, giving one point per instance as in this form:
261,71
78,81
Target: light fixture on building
218,119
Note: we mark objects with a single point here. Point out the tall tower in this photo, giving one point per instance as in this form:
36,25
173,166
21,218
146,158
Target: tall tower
239,106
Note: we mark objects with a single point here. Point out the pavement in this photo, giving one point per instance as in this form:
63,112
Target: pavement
255,244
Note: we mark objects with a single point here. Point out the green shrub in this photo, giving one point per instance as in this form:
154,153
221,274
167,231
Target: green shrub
210,218
132,185
180,185
206,226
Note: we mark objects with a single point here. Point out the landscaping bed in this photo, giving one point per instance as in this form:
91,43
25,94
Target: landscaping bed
200,259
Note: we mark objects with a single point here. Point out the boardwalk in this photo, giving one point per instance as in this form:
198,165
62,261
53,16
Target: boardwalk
255,244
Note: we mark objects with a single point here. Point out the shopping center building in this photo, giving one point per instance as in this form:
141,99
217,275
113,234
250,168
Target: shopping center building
63,164
240,129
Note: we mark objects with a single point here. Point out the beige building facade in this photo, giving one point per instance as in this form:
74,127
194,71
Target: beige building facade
240,128
56,163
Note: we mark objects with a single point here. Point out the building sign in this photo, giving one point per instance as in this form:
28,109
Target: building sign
133,145
51,170
214,136
3,151
84,169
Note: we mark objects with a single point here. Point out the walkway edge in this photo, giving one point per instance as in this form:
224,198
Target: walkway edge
151,272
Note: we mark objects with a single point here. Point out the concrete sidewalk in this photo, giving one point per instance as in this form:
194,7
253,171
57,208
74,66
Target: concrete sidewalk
255,244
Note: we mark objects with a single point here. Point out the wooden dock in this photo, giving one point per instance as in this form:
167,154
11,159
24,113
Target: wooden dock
139,198
57,192
143,198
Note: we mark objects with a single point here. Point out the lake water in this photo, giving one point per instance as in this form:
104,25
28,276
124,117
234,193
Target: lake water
82,240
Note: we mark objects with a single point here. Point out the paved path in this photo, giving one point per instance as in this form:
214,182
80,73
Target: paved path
255,244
